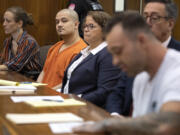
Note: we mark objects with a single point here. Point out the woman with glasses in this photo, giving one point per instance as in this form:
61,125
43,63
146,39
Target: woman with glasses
21,51
91,74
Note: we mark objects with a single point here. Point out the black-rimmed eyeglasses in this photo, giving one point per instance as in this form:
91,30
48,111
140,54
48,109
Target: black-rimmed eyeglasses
89,26
154,18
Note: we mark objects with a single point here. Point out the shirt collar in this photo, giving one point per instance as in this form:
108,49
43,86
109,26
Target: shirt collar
165,43
22,37
98,48
85,51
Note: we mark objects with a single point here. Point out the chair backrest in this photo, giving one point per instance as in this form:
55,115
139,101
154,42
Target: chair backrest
43,53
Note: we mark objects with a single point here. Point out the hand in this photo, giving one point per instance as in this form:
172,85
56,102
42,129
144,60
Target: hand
111,125
3,68
57,86
90,128
117,115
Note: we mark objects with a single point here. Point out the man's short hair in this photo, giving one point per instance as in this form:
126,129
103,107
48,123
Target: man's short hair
131,21
73,14
170,7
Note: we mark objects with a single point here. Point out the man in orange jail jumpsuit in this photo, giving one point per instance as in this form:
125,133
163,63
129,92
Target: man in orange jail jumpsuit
60,54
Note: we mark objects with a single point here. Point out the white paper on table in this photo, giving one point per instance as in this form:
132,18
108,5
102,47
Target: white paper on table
59,128
17,89
17,99
28,87
31,83
53,103
43,118
8,83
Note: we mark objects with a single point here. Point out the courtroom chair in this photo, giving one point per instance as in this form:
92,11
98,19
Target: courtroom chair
43,54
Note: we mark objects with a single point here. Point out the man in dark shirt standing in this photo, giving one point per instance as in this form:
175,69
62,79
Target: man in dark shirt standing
82,7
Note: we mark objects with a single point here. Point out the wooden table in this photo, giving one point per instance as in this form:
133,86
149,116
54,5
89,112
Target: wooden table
88,112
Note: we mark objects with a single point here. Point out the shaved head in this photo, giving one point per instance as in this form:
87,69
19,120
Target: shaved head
71,13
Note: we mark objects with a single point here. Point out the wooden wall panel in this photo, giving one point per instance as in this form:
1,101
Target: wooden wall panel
108,5
43,12
176,30
132,4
